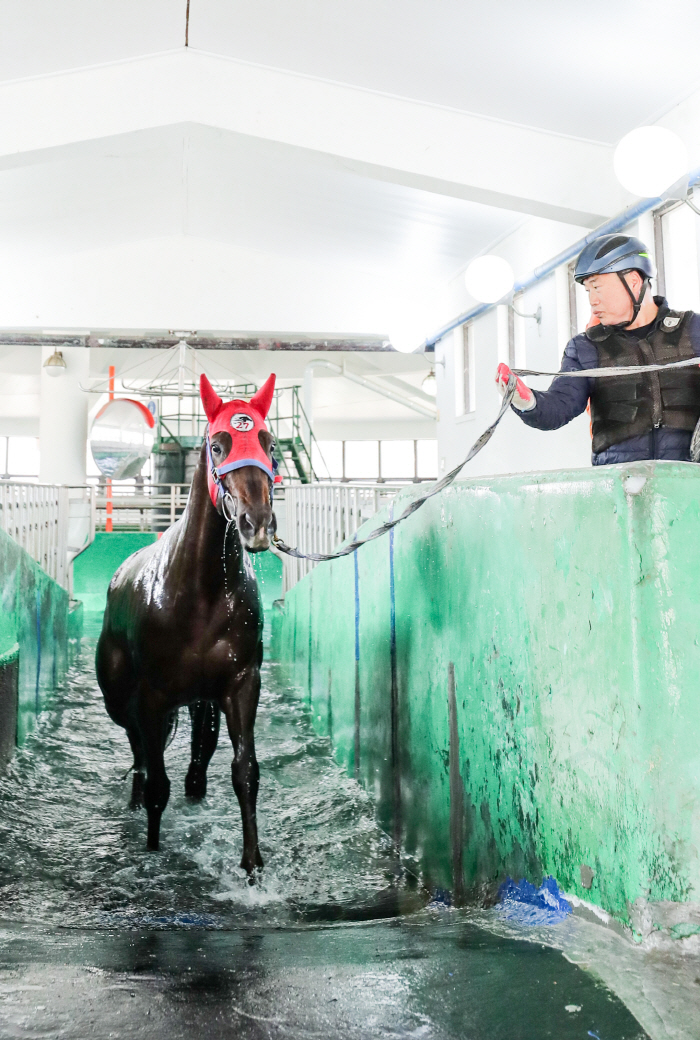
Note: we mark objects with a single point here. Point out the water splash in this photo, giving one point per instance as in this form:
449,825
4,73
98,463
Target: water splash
72,853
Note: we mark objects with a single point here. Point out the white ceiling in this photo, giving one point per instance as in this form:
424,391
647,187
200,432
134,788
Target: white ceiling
240,190
397,188
593,70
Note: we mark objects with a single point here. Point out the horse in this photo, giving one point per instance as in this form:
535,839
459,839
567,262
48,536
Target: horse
183,622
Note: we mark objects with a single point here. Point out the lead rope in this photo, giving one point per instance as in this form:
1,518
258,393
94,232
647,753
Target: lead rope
223,557
479,443
230,518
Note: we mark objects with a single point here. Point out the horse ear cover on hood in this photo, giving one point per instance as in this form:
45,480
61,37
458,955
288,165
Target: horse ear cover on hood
246,449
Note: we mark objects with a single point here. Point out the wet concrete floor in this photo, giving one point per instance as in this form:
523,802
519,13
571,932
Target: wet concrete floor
420,977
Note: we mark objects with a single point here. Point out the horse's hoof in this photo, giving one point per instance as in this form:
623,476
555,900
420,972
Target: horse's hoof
254,876
195,784
253,870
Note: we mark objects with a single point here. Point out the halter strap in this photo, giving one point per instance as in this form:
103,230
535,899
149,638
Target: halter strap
217,472
228,467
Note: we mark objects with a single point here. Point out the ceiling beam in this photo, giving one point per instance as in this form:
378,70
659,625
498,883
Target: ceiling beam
155,339
438,149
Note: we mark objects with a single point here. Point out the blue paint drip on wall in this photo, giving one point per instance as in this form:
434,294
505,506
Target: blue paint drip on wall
38,648
395,751
357,608
392,594
357,740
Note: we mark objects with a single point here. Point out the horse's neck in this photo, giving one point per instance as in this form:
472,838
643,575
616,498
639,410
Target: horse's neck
204,532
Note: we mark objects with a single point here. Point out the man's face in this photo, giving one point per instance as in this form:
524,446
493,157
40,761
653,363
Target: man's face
608,297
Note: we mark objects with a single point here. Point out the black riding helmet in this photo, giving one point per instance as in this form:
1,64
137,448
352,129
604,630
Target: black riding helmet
617,254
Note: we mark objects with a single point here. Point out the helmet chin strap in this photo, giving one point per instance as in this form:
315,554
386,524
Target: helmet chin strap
636,304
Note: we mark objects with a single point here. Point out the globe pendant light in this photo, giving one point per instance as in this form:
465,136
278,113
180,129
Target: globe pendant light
489,278
649,160
54,364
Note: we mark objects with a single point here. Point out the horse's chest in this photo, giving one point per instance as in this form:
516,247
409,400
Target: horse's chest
210,648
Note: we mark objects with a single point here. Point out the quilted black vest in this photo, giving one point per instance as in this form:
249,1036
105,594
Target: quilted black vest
627,406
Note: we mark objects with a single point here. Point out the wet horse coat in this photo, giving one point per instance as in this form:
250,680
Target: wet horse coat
183,622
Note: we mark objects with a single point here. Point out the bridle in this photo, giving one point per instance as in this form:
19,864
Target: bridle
217,472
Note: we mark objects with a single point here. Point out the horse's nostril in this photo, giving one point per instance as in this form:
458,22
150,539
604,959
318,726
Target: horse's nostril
246,525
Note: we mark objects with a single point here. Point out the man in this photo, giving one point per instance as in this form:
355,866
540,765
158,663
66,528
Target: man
649,416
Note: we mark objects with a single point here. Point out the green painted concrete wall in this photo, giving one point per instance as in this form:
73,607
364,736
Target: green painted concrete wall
34,618
93,569
515,677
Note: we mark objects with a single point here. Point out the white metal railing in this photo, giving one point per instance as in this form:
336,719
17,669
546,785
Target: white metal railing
147,508
53,523
318,517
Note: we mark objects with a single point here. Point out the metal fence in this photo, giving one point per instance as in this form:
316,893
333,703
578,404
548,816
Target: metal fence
318,517
152,507
52,523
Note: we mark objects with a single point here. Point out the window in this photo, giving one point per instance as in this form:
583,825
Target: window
427,459
19,456
327,459
398,460
467,369
680,242
361,460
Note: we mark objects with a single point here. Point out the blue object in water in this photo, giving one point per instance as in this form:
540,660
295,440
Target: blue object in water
441,897
526,904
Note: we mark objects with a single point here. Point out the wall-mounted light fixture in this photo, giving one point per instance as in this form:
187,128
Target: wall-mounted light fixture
55,364
537,315
429,384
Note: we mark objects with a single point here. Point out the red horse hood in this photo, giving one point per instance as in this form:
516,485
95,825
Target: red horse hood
243,420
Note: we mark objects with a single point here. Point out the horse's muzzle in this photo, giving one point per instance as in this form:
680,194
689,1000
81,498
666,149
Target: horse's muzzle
255,531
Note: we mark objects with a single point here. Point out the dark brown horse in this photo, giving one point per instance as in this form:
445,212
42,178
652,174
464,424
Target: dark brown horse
183,621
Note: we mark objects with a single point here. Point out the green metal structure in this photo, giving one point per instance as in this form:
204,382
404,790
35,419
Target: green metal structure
513,675
181,430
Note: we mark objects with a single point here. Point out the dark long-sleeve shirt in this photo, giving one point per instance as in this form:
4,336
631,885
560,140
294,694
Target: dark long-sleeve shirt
567,398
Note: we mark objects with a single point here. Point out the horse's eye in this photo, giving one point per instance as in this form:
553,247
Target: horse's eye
216,448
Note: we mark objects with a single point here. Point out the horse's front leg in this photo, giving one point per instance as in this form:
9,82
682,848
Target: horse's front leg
240,705
154,724
206,719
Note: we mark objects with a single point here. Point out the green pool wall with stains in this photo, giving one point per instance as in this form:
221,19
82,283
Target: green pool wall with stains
515,676
34,622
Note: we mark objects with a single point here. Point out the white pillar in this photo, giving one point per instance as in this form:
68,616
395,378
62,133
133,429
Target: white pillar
308,394
63,419
561,284
502,334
